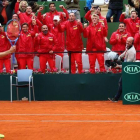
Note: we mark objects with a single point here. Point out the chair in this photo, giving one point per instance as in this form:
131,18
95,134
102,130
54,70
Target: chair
36,63
66,62
85,61
24,75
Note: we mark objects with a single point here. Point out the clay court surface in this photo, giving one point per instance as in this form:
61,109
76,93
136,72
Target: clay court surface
69,120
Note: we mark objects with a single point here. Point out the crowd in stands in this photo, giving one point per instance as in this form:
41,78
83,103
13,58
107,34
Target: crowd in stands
45,33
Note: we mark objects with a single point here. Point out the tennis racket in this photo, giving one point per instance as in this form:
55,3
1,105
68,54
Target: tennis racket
12,30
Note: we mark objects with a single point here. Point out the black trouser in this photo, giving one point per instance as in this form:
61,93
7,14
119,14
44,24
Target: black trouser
119,93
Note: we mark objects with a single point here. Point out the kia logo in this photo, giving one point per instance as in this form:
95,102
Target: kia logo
132,97
132,69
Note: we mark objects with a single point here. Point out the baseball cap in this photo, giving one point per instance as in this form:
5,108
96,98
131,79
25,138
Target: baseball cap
56,18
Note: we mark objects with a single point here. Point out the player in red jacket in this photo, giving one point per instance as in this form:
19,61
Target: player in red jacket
97,10
53,28
26,44
95,33
47,18
132,23
118,38
47,43
4,46
26,16
74,42
137,44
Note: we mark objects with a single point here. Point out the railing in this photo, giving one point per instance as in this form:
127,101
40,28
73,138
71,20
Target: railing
69,54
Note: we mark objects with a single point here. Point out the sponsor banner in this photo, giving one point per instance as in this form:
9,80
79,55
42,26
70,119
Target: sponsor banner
131,83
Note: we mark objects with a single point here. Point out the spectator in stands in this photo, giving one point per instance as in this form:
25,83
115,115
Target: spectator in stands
114,9
1,19
88,4
137,44
129,55
74,42
21,6
47,43
47,18
95,33
118,38
132,23
26,44
96,10
6,10
136,5
4,46
34,6
74,7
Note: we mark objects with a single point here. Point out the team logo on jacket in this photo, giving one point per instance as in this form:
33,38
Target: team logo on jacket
99,30
51,38
137,24
28,35
101,20
2,36
75,27
125,35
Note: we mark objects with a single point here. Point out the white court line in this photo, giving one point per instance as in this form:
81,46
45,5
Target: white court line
90,121
75,121
69,114
15,120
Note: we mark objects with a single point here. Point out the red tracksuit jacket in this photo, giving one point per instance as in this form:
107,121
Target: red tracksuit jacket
101,19
24,17
46,42
49,17
132,26
26,43
119,45
4,44
95,35
73,35
38,23
59,36
137,45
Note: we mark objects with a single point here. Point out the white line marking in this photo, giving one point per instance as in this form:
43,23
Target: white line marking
15,120
86,121
75,121
69,114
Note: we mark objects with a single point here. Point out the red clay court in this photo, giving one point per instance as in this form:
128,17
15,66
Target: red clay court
69,120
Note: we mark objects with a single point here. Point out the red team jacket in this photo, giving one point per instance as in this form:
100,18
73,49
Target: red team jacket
49,17
131,26
101,19
24,17
119,45
73,35
137,45
46,42
26,43
4,44
60,37
95,35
